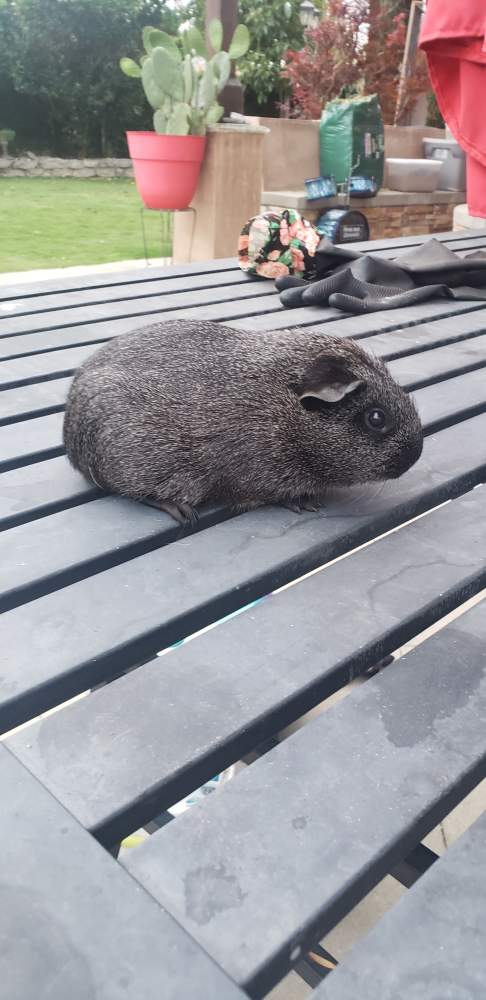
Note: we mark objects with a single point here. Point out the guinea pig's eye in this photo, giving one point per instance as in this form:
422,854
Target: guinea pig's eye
376,419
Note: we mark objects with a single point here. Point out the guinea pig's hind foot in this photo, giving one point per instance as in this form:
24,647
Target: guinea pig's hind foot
183,513
313,505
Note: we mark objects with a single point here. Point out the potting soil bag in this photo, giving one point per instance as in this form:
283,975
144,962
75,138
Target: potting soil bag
352,139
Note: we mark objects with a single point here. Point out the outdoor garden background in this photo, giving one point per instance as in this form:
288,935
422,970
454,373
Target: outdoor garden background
62,94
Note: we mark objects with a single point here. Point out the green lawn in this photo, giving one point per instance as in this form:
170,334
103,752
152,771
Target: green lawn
50,222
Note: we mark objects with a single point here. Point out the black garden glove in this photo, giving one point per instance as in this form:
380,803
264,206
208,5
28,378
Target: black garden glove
357,283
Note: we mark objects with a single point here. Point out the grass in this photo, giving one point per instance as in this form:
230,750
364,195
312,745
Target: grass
59,222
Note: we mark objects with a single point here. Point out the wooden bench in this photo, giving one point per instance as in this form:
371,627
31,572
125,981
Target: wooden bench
222,901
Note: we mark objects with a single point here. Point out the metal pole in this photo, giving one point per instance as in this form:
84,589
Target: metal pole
227,11
410,52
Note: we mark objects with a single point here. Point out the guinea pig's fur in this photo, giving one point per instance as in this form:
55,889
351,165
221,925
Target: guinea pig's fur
185,412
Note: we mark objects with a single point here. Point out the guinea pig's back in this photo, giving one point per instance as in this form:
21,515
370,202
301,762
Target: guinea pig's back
179,382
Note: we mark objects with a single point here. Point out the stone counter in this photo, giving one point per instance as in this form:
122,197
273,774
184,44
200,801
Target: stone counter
390,213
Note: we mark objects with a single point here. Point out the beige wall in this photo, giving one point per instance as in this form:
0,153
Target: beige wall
291,150
406,140
290,153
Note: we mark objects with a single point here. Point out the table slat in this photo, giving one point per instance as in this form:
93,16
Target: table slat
33,491
30,441
60,893
76,637
439,406
418,370
33,400
72,544
472,238
435,935
458,398
423,336
58,299
40,368
145,274
91,586
246,298
40,386
211,700
366,324
30,557
142,273
261,870
330,321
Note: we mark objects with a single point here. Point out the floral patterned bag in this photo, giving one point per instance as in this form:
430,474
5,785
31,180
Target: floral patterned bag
278,243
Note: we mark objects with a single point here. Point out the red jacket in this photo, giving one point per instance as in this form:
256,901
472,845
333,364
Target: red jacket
454,38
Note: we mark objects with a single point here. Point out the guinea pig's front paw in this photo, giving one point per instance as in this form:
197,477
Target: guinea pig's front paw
301,504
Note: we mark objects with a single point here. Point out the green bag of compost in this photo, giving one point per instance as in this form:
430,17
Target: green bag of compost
352,141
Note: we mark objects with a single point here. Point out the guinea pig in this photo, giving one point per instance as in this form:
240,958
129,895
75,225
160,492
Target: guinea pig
185,412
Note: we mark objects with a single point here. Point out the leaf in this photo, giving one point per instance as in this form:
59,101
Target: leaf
167,106
161,38
188,78
155,96
207,90
160,122
240,43
167,73
130,67
178,123
214,114
147,31
215,32
196,122
194,42
222,68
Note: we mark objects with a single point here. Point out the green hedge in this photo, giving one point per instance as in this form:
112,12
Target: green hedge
61,88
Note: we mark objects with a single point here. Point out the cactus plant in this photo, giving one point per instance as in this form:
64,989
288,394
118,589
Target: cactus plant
6,135
181,80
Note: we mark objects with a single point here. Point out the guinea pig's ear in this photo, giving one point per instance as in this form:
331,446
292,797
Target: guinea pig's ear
329,379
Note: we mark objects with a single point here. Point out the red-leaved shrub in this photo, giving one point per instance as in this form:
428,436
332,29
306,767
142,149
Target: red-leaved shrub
357,47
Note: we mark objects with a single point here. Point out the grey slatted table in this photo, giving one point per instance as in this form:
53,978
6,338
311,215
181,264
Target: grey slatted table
223,900
436,961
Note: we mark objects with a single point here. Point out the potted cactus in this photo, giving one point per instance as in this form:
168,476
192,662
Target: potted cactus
181,83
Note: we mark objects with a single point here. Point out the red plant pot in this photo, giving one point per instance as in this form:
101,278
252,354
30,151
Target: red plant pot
166,167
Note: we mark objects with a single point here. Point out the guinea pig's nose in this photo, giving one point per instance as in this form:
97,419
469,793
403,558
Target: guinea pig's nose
408,455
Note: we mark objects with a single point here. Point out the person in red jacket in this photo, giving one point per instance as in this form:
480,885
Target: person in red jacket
453,37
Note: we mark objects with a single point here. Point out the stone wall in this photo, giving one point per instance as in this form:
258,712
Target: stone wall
409,220
391,213
401,220
30,165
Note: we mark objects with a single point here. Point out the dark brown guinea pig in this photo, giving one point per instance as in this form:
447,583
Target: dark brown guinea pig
185,412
